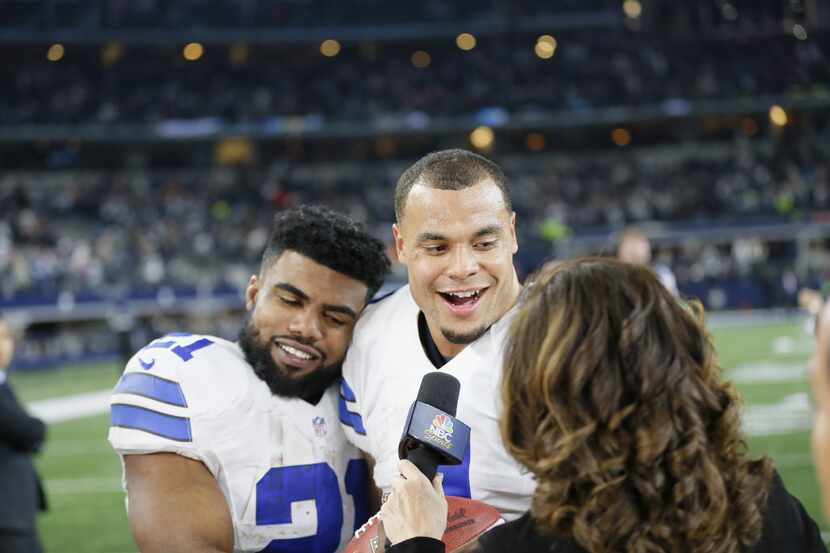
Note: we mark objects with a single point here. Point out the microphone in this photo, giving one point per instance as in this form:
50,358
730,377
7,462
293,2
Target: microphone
432,435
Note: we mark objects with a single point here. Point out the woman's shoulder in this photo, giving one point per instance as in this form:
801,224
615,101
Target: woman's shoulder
787,524
523,535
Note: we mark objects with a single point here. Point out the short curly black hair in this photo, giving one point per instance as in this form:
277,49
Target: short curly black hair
331,239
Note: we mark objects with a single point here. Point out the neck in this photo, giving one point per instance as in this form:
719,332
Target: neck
446,348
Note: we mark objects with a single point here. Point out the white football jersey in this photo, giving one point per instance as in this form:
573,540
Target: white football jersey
381,377
292,481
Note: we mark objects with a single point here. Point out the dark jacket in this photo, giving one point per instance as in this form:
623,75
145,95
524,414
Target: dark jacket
787,528
21,493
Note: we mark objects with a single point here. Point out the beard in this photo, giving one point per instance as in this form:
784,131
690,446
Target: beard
258,355
466,338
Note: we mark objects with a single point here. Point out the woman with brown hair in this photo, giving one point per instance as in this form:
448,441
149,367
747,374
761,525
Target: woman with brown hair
613,399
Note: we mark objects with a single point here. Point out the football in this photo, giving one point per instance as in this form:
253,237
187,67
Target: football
466,520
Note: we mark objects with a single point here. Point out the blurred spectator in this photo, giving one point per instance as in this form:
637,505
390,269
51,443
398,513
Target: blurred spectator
820,382
375,83
635,248
21,492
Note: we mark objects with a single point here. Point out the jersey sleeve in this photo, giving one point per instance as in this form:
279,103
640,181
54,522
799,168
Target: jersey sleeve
169,395
349,407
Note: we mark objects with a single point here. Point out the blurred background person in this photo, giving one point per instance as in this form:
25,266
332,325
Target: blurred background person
613,400
635,247
21,435
820,382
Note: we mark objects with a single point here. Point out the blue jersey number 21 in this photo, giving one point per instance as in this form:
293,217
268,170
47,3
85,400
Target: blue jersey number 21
282,486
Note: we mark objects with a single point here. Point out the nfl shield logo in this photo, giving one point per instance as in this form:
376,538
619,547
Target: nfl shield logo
320,427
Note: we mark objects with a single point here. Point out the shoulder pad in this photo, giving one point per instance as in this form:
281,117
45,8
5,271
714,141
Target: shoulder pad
190,371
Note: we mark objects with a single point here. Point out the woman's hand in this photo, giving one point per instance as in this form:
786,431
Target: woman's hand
415,508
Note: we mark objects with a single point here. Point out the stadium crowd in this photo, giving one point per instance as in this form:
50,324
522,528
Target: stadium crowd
156,14
501,77
129,230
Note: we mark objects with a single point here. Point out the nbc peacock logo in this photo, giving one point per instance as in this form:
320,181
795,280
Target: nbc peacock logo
440,431
443,422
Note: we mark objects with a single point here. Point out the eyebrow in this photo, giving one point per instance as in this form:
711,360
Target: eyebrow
434,236
290,288
490,229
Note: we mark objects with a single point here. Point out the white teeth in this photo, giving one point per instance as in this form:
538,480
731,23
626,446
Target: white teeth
296,352
468,294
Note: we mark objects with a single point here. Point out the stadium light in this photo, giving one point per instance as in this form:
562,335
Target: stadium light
632,9
193,51
621,136
55,52
465,41
545,47
111,53
421,59
330,48
239,54
749,126
535,142
482,138
778,116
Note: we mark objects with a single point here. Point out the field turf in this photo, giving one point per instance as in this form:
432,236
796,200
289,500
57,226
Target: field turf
767,362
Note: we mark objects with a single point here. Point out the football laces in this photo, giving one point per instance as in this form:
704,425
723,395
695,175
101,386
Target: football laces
373,519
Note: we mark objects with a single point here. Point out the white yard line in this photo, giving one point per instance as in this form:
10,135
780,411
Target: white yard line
764,372
61,409
85,486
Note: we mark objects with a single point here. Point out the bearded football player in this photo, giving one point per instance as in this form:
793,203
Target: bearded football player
236,446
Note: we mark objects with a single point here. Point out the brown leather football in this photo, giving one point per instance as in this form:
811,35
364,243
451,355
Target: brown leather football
466,520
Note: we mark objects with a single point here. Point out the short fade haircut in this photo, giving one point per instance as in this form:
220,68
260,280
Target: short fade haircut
449,170
331,239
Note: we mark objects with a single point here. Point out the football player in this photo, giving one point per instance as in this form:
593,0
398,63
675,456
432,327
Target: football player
456,234
236,446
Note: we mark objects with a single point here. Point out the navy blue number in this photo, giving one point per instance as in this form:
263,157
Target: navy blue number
357,486
185,352
457,477
282,486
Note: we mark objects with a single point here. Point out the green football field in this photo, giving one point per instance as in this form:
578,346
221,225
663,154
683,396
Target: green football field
82,474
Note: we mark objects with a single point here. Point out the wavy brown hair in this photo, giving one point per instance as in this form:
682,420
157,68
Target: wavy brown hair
613,399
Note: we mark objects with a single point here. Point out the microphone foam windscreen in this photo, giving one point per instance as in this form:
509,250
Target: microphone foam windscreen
441,391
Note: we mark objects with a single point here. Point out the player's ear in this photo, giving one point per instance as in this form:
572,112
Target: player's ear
515,247
396,234
251,292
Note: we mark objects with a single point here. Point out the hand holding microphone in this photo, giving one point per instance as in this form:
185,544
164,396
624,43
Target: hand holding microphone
415,507
432,436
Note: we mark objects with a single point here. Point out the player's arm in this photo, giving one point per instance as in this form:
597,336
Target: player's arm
375,493
175,505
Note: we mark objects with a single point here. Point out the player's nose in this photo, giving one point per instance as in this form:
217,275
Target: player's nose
463,263
305,323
